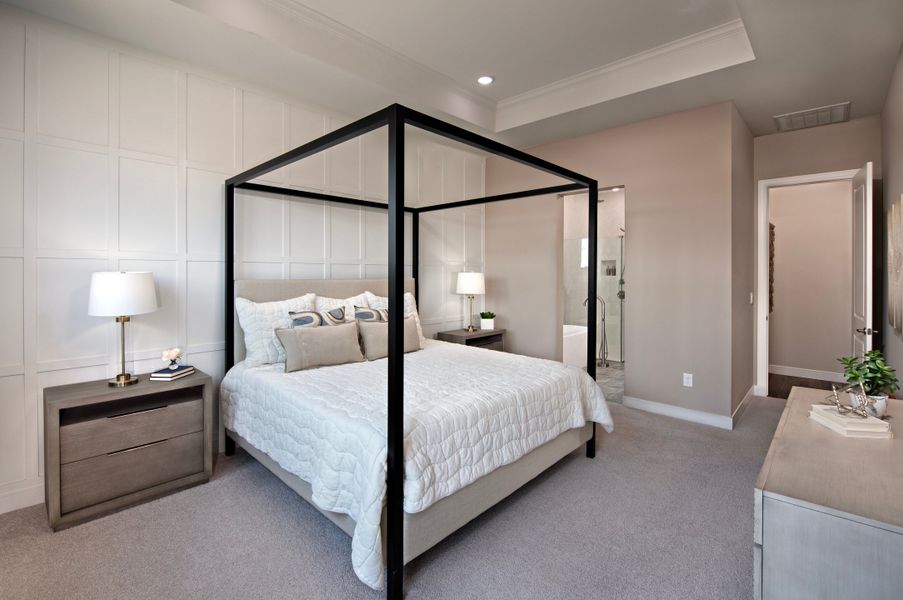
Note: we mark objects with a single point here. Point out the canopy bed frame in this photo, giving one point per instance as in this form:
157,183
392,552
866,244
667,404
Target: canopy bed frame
396,118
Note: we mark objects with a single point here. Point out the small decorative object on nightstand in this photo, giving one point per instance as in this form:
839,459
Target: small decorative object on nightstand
492,339
487,319
173,356
107,448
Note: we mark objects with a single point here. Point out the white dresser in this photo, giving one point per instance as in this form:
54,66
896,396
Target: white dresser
829,511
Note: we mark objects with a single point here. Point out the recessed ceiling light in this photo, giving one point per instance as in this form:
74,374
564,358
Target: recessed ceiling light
485,79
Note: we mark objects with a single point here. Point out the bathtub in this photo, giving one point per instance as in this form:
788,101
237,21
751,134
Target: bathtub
573,350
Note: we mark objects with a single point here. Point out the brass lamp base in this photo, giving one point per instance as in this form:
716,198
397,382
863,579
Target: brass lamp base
470,329
122,380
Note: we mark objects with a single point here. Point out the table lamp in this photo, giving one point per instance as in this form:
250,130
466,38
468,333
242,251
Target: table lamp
122,295
471,284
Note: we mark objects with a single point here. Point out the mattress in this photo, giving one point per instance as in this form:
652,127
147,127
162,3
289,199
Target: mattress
468,411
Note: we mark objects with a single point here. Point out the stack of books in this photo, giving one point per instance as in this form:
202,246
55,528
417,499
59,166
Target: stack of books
850,425
168,374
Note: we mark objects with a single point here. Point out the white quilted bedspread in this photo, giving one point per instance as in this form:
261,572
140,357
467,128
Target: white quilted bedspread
468,411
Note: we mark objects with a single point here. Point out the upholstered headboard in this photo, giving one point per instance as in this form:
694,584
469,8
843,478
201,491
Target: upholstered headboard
268,290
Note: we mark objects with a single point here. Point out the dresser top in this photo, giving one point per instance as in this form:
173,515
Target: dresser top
809,463
91,392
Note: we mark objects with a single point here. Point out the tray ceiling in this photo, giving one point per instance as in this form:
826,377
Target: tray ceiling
561,68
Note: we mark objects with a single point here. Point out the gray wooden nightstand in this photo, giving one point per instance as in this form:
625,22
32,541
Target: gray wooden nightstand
108,448
493,339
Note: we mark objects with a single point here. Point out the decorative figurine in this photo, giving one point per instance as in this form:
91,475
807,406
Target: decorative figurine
854,389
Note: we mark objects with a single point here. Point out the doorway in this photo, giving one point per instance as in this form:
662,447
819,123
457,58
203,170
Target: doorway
611,287
814,297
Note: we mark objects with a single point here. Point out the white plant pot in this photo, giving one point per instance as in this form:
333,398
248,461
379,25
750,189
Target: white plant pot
487,323
878,409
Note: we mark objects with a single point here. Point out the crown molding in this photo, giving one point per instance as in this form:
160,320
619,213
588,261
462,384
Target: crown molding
722,46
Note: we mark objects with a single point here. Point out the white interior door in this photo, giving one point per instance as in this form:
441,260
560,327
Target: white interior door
862,260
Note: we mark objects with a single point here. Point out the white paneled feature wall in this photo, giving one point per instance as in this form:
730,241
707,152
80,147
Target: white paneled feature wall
111,158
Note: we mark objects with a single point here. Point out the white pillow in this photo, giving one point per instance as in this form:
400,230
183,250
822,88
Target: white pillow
410,307
325,304
259,322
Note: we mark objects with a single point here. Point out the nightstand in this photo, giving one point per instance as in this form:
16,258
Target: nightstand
107,448
493,339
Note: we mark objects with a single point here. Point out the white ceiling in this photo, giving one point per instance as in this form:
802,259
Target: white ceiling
562,68
525,44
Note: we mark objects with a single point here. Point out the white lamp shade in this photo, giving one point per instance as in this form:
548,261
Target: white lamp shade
471,284
115,294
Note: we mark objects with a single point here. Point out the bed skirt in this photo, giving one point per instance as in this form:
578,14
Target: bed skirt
425,529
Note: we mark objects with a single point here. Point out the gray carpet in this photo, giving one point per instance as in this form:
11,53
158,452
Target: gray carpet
664,511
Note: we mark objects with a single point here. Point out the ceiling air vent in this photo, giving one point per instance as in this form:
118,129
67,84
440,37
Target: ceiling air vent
813,117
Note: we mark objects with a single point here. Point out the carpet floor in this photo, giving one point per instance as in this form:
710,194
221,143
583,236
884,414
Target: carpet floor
664,511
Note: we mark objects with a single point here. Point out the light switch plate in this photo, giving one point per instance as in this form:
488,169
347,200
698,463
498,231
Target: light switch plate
688,380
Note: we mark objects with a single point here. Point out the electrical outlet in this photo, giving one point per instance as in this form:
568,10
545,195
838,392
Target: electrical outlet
688,380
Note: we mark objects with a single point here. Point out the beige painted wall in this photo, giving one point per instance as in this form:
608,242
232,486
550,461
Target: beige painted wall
742,259
820,149
524,279
892,120
813,275
678,171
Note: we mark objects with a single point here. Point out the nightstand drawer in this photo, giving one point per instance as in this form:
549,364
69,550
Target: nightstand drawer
108,476
489,344
127,426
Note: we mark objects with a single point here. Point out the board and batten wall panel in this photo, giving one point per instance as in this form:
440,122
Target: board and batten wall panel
115,158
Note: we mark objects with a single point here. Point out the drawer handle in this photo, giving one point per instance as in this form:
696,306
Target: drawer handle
136,448
138,412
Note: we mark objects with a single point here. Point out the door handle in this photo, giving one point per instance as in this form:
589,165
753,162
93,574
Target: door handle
867,330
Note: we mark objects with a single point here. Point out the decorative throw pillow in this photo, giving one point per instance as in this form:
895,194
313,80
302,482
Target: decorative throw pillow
309,347
375,337
326,303
367,314
312,318
260,320
410,307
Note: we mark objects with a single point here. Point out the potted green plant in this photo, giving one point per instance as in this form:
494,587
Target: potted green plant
487,319
878,378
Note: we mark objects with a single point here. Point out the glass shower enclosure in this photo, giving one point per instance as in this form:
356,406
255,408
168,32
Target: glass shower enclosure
612,280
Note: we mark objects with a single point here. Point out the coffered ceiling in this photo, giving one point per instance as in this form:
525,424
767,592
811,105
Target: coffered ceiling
561,67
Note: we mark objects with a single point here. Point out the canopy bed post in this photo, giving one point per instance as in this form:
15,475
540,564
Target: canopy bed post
229,312
415,252
593,231
395,429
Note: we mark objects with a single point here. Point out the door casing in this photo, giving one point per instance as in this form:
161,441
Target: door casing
760,385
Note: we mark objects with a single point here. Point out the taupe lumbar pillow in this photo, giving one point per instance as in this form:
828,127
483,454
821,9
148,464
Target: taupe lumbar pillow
375,337
309,347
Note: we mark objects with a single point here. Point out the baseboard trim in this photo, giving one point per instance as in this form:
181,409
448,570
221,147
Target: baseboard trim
744,404
22,498
679,412
807,373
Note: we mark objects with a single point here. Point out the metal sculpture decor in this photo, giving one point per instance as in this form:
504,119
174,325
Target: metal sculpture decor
864,400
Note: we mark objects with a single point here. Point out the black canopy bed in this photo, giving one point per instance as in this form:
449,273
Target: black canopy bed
317,409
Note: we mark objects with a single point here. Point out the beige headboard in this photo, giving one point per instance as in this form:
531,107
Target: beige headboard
268,290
